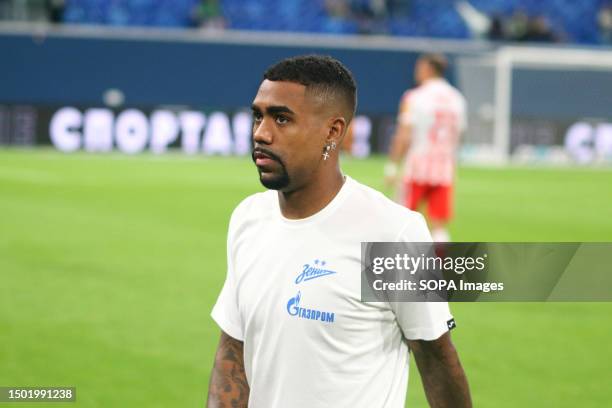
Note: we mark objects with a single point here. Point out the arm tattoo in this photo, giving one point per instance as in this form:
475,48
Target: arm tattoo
441,373
228,386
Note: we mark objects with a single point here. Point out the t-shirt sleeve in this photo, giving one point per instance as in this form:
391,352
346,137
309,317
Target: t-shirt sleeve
226,312
421,320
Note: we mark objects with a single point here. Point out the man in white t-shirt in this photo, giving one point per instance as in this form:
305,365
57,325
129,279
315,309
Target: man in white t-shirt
295,332
430,121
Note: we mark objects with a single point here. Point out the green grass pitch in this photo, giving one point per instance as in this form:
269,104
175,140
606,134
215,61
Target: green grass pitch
109,267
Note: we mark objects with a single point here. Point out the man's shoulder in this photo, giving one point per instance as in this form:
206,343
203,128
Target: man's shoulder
253,207
408,93
420,91
413,94
455,92
380,211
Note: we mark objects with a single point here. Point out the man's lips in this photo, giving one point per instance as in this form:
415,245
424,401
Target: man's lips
263,160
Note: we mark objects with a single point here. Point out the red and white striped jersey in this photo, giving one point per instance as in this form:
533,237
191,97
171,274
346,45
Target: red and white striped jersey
436,114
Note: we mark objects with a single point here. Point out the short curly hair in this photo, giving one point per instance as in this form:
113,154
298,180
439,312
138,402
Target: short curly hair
321,74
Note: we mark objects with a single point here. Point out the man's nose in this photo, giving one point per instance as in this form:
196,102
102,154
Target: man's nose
262,133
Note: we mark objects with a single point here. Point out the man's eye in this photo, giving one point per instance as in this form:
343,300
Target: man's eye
257,117
281,120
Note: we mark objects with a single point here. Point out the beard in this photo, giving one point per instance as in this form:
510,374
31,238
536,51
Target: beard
277,180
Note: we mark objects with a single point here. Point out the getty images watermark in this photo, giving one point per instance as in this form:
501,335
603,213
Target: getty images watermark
484,271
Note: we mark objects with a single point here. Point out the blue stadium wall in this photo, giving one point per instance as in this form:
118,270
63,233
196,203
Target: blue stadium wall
55,70
163,74
179,71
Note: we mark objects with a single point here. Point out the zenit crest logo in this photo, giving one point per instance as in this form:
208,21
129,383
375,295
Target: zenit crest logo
294,309
310,272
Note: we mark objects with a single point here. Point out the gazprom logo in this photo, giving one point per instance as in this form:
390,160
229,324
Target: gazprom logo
313,271
294,309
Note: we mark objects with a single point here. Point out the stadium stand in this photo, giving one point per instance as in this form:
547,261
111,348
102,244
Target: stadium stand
571,21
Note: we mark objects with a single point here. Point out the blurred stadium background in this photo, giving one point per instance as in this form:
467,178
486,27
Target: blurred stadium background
125,133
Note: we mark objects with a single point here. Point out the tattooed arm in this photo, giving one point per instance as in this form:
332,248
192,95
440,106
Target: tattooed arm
228,384
441,372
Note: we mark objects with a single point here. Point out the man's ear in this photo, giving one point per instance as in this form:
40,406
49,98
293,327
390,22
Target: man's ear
337,127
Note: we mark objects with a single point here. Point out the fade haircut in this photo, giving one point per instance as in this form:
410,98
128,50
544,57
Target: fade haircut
324,76
437,62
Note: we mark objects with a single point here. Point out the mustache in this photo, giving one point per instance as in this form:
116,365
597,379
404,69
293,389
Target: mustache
268,153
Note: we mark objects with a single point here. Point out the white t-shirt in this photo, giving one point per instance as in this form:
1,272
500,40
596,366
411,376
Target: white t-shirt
436,113
292,294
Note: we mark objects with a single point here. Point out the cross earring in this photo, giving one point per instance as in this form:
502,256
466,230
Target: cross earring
328,148
326,152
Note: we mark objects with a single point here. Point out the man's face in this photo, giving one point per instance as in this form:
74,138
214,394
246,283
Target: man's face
289,131
421,71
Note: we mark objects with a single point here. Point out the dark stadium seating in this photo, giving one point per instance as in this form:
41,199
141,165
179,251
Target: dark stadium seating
575,20
161,13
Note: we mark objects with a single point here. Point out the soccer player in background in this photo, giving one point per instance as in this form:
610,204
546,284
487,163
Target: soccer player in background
294,331
430,121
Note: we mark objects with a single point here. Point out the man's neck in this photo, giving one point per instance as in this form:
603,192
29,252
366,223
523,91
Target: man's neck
433,79
312,198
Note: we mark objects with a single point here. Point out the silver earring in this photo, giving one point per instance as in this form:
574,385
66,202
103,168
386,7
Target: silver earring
326,152
333,145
